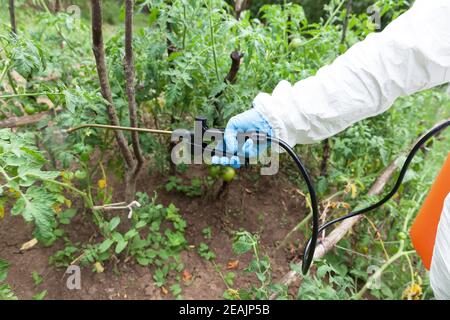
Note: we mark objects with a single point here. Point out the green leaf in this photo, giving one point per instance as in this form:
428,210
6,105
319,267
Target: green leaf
131,234
175,289
6,293
159,277
242,244
36,205
140,224
261,277
153,15
172,213
40,296
105,245
176,239
322,271
143,261
118,237
35,154
31,171
229,278
66,215
19,207
4,266
113,223
36,278
121,245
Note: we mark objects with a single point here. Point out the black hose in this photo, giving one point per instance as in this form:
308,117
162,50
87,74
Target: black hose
307,260
310,248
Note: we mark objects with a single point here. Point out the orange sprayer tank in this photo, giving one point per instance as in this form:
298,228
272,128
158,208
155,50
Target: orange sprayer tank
424,229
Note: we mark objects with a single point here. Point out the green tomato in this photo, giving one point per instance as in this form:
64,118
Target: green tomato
43,107
67,175
30,109
214,171
228,174
84,156
401,235
296,43
78,148
80,174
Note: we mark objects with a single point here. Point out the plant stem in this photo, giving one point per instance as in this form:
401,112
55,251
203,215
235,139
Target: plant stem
213,41
12,16
35,94
411,269
348,11
11,83
5,69
131,95
374,227
102,71
4,174
184,26
61,184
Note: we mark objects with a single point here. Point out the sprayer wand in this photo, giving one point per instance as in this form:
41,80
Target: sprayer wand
110,127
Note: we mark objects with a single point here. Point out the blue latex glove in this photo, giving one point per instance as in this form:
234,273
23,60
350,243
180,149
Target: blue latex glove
248,121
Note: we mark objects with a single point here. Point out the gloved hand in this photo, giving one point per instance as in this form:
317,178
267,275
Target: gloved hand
248,121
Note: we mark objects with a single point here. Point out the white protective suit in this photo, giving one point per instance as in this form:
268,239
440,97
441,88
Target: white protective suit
410,55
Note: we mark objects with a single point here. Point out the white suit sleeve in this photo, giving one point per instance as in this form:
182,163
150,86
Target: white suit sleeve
440,264
411,54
